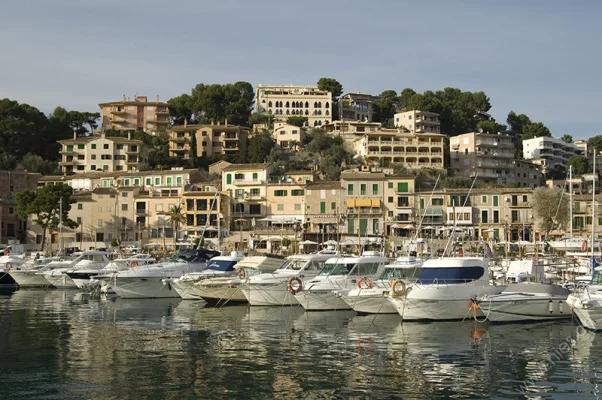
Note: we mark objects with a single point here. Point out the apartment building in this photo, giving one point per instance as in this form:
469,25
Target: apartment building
578,184
586,151
207,211
351,128
363,201
550,152
399,204
324,211
12,229
139,114
527,174
356,107
288,137
488,155
393,146
417,121
210,139
101,153
288,100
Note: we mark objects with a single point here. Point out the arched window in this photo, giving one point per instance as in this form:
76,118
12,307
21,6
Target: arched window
263,101
315,123
288,112
319,122
326,105
315,104
320,105
287,104
327,112
270,111
270,104
319,112
306,104
306,112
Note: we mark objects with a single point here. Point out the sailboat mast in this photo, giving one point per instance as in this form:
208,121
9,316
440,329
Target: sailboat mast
571,200
593,213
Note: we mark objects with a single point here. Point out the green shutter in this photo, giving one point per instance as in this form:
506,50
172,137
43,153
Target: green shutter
390,185
350,226
599,221
496,233
421,203
375,188
333,205
495,201
322,207
255,176
228,179
349,189
363,226
363,188
402,187
577,206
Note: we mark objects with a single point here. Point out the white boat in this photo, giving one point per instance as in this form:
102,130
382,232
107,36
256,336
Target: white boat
526,301
27,275
91,264
371,297
147,281
116,265
229,289
444,289
339,273
55,273
274,289
220,266
7,263
569,244
586,302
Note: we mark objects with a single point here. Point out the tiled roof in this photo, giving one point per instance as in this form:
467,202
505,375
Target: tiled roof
319,185
245,167
372,176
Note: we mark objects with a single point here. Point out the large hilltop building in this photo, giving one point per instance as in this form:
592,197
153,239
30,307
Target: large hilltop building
222,139
288,101
139,114
356,107
549,152
417,121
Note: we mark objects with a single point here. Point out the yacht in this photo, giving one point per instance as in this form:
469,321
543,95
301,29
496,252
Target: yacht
569,244
27,275
526,301
57,273
91,264
275,289
370,297
119,264
444,289
220,266
586,302
339,273
8,262
229,288
146,281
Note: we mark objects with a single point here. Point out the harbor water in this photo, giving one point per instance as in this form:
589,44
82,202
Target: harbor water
65,345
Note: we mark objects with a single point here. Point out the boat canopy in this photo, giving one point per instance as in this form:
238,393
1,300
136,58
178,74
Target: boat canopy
221,265
533,287
458,274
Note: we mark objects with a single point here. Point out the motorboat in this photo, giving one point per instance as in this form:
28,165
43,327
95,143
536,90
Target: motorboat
119,264
274,289
569,244
8,262
586,302
444,289
370,297
526,301
339,273
228,289
27,275
91,263
55,272
146,281
220,266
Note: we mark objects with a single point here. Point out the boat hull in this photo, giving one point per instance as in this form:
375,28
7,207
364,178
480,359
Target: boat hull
225,293
6,279
82,279
60,280
29,278
321,300
589,318
186,289
147,287
367,302
525,310
270,295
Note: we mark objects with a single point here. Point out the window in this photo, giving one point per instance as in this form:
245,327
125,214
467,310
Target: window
105,146
158,207
255,192
178,180
350,226
92,167
402,187
148,181
363,226
126,182
333,205
297,207
390,184
80,206
496,217
124,207
70,148
484,199
280,193
350,189
239,176
78,220
322,207
169,181
362,189
157,181
228,179
119,147
390,199
124,194
280,207
255,176
254,209
93,146
375,225
80,146
484,216
297,192
93,156
375,188
495,201
136,181
403,201
524,198
99,224
437,202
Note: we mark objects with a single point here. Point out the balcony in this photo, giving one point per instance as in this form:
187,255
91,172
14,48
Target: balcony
247,182
231,137
118,111
131,151
140,211
178,150
162,111
180,139
364,211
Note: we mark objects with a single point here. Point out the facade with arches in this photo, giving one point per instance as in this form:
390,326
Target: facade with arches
295,101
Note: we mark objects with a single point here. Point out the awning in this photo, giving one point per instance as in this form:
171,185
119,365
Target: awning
350,203
363,203
433,212
376,203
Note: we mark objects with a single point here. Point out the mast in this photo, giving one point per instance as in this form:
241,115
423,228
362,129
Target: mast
61,250
571,200
592,260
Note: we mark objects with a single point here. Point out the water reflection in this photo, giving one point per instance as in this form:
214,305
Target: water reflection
64,344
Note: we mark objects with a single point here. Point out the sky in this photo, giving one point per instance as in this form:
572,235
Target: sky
542,58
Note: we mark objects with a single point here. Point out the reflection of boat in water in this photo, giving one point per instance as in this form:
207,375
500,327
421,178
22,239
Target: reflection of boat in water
586,302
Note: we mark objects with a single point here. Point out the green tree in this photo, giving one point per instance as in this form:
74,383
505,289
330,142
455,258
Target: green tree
259,148
297,121
176,217
535,129
331,85
491,127
180,109
550,209
257,119
579,163
385,106
34,163
567,138
8,162
44,205
594,142
192,153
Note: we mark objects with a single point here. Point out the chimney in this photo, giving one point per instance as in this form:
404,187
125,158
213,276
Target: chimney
74,135
129,135
226,122
157,98
128,99
211,122
185,122
124,98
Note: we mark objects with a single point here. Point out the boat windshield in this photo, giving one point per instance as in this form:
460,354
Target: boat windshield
293,264
339,268
252,271
400,273
221,265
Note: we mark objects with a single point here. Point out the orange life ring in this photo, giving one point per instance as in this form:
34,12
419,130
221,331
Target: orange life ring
6,252
133,264
294,289
367,281
394,289
241,274
584,245
8,266
460,253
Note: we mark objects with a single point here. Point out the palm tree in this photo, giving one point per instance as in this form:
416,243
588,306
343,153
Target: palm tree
176,216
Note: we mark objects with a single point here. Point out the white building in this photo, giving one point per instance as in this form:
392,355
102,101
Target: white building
418,121
287,136
290,101
549,152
